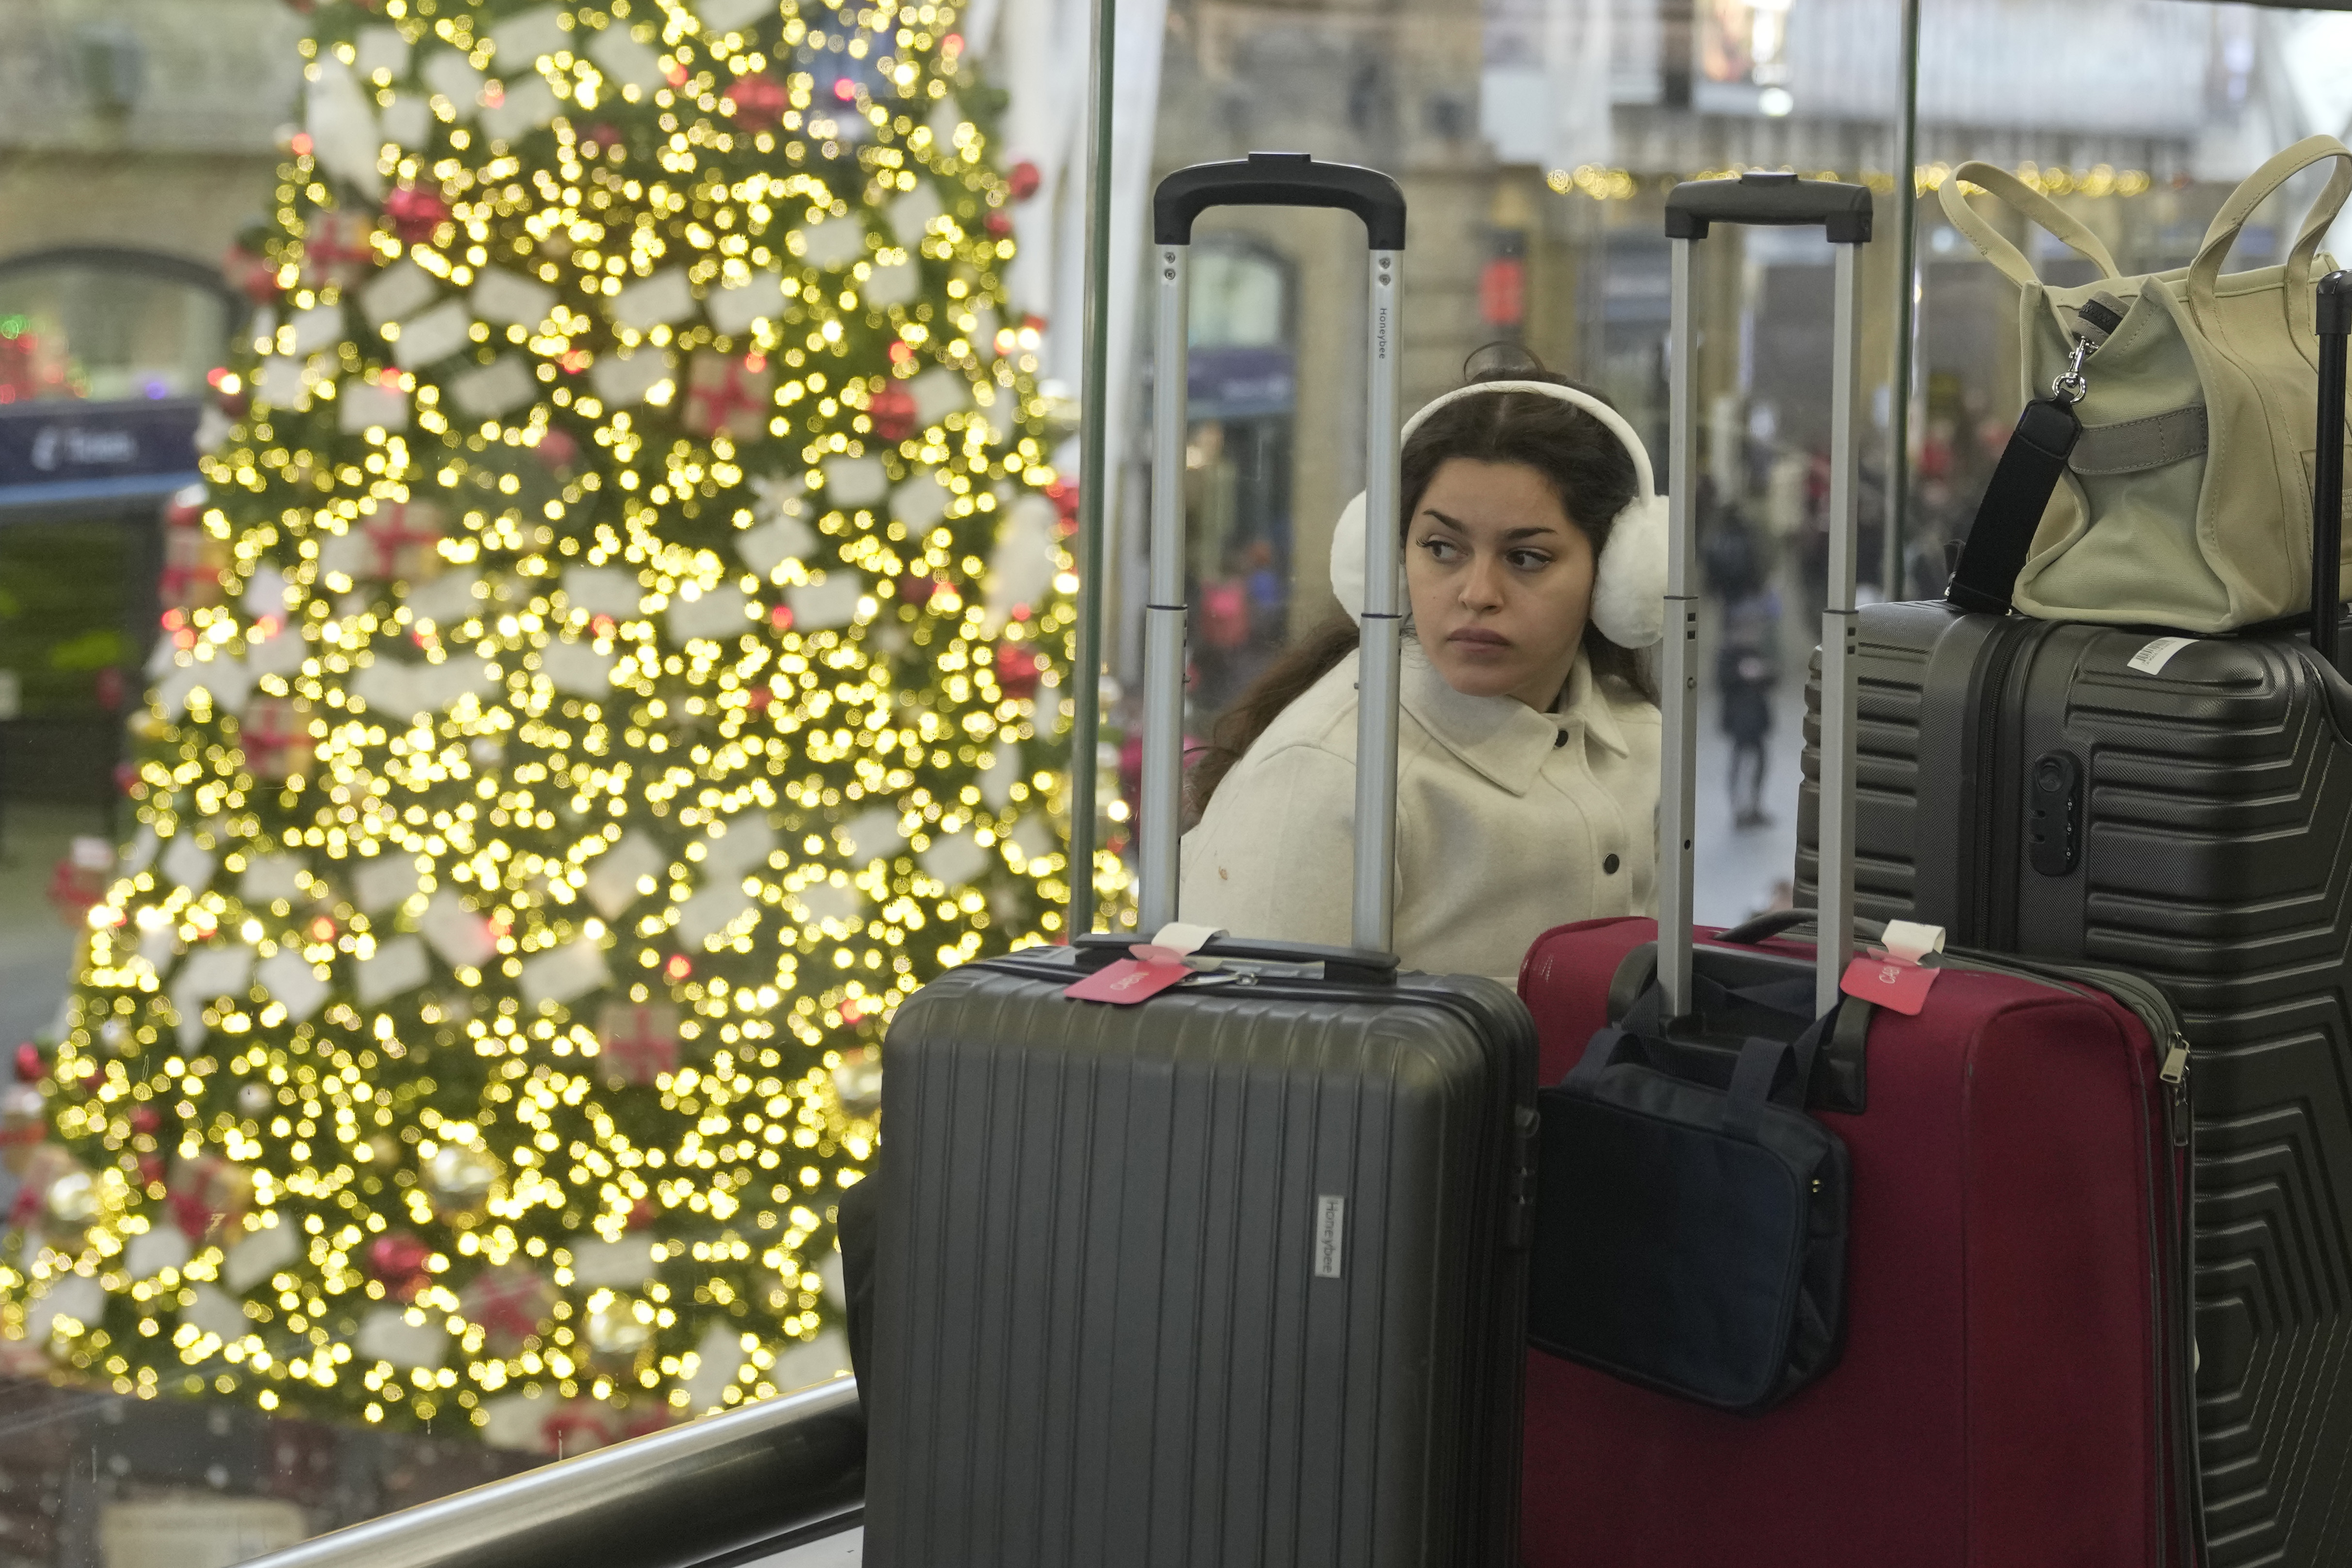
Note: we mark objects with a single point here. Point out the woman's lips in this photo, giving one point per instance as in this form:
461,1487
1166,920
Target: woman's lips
1478,637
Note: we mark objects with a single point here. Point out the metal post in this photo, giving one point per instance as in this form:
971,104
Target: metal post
1898,470
1379,667
1095,480
1164,608
1678,663
1835,875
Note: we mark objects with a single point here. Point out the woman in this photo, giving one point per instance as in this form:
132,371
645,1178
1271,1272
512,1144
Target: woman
1527,757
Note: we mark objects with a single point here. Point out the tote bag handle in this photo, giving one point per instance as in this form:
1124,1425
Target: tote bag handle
2251,192
2023,198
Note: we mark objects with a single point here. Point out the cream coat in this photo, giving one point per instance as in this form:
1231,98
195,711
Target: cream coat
1508,821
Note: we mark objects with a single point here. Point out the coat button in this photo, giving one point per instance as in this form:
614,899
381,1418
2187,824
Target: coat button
1609,866
1559,739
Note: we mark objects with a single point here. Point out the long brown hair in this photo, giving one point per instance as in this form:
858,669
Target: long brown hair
1586,466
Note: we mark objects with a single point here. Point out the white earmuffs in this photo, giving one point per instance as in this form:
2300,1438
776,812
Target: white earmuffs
1629,582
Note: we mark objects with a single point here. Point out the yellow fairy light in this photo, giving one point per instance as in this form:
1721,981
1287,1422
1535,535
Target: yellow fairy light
618,660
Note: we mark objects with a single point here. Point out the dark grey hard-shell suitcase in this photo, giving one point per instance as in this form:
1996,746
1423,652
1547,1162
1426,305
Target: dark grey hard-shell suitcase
1235,1276
2180,807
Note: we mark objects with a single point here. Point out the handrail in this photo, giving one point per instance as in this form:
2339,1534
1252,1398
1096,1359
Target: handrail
711,1489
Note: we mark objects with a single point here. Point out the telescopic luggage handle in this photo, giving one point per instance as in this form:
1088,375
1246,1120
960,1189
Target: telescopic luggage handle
1273,179
1843,212
1278,180
1762,197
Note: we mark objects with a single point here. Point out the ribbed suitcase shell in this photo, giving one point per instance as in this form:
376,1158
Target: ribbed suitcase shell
2002,1397
1138,1363
2216,850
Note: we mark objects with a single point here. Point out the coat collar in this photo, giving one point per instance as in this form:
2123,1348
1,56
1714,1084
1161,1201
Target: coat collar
1502,738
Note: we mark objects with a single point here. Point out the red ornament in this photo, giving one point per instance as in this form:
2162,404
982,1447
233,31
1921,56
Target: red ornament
75,886
416,214
760,100
30,1067
1000,224
638,1041
145,1119
725,394
1064,494
254,277
918,591
641,1214
893,413
400,540
186,507
340,248
511,1302
397,1262
208,1195
151,1170
1017,669
557,449
276,736
1024,180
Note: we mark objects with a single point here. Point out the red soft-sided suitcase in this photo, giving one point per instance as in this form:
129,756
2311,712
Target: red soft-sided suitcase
2012,1391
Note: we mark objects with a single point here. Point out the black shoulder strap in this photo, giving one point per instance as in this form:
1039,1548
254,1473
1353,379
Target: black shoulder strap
2023,484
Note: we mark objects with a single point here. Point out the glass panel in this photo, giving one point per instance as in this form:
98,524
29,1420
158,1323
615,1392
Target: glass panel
1536,140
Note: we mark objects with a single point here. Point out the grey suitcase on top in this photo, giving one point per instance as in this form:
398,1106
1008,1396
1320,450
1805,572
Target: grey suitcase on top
1235,1278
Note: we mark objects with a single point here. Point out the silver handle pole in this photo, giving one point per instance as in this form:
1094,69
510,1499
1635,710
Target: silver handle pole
1378,664
1835,873
1164,610
1678,664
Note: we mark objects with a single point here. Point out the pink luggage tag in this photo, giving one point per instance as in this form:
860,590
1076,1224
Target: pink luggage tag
1897,974
1152,967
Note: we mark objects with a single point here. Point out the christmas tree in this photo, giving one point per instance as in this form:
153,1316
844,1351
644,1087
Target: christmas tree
615,661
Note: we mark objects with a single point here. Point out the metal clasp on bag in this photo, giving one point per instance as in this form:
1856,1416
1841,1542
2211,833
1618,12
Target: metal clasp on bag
2096,320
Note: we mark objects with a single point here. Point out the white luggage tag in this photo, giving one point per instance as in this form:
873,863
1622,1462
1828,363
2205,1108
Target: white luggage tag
1896,975
1170,958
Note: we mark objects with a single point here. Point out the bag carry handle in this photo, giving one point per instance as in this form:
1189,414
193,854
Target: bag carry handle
1844,211
1755,1077
2332,317
2255,189
1265,179
2015,193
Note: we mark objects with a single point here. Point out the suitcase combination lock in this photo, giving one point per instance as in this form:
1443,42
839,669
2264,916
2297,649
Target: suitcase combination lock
2053,814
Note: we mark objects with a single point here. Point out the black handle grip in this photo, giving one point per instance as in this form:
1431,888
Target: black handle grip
2333,317
1278,180
1763,197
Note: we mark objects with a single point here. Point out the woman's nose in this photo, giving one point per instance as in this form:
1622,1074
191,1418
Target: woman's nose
1482,584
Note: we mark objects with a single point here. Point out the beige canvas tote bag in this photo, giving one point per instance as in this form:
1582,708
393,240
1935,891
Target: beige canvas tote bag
2186,501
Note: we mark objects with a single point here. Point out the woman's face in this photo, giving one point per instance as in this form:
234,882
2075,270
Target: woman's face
1500,581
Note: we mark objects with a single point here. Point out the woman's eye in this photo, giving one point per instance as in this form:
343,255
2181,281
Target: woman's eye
1528,560
1439,549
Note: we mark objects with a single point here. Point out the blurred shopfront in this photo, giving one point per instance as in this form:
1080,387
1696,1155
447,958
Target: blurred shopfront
104,357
